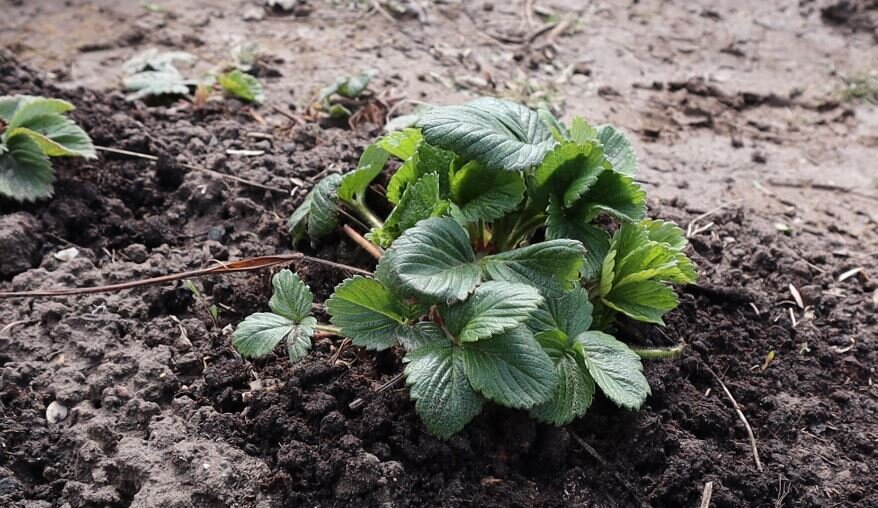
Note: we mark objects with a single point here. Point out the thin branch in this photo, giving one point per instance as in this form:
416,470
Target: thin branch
376,251
340,266
195,168
381,389
740,416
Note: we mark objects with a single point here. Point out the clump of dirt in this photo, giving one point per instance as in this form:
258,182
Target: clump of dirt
856,15
162,411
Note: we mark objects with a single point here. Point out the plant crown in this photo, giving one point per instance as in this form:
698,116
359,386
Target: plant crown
513,243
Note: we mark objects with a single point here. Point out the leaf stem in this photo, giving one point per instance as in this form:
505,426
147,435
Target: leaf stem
334,330
659,353
366,214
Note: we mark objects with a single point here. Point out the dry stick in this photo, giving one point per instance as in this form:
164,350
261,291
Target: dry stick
706,494
194,168
740,416
13,324
294,118
383,388
242,265
368,246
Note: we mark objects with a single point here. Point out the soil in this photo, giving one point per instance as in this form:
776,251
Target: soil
729,104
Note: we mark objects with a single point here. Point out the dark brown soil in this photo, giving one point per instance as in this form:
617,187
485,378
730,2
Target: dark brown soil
164,413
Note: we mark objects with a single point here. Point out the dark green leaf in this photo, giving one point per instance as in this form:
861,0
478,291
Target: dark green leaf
615,368
551,266
318,213
25,171
567,172
571,314
493,308
421,334
572,397
615,194
573,223
618,150
486,194
291,298
368,313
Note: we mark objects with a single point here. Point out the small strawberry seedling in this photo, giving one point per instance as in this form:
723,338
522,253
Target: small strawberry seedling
32,129
513,244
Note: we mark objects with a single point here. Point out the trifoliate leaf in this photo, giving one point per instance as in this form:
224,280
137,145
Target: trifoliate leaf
581,131
242,85
510,368
486,194
354,184
57,136
644,301
291,298
434,260
615,368
567,172
419,201
444,398
618,150
318,213
570,314
25,170
573,223
551,266
401,144
493,308
498,134
260,333
573,395
615,194
368,313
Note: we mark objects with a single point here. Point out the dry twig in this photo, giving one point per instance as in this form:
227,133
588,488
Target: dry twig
706,494
741,416
368,246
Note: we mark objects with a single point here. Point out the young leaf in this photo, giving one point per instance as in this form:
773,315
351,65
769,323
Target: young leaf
510,369
615,368
570,314
573,223
318,213
368,313
57,136
25,170
567,172
493,308
28,108
157,83
291,298
242,85
615,194
401,144
496,133
401,179
644,301
581,131
434,260
618,150
354,184
486,194
573,395
551,266
665,232
432,159
444,398
559,132
260,333
419,201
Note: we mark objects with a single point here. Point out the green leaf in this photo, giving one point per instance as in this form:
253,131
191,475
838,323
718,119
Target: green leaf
318,213
354,184
401,179
496,133
644,301
434,260
510,369
291,298
30,108
401,144
368,313
421,334
551,266
57,136
615,368
419,201
615,194
353,86
567,172
8,105
570,314
444,398
581,131
493,308
157,83
261,332
432,159
486,194
573,223
573,395
242,85
665,232
618,150
25,171
559,132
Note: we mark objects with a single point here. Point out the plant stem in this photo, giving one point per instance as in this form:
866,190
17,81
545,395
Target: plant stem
366,213
659,353
334,330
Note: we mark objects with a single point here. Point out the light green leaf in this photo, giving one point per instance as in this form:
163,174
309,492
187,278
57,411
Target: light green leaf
318,213
493,308
573,223
157,83
419,201
401,144
354,184
615,368
368,313
30,108
571,314
567,172
25,171
498,134
8,105
434,260
261,332
573,395
581,131
618,150
57,136
291,298
486,194
644,301
242,85
510,369
665,232
551,266
401,179
559,132
615,194
444,398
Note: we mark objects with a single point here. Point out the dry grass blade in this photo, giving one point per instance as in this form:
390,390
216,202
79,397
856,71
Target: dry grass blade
797,297
706,494
741,417
850,273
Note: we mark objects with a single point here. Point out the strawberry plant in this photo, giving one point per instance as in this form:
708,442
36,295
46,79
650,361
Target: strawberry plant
514,244
32,129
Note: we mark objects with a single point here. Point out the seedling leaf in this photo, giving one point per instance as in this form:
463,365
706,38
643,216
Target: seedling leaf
242,85
494,307
354,184
261,332
615,368
291,298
